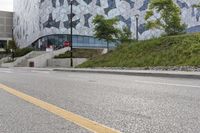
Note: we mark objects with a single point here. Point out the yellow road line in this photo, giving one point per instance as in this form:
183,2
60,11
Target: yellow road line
69,116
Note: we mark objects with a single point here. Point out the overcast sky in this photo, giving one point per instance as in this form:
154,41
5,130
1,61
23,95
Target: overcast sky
6,5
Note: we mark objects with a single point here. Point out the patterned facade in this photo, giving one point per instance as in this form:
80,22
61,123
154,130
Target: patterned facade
36,19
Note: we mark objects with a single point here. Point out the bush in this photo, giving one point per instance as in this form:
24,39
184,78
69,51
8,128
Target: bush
12,45
22,52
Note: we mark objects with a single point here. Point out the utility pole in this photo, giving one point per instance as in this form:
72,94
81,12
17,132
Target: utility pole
71,34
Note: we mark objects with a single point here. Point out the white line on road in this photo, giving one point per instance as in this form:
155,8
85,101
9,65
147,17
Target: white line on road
6,71
35,71
169,84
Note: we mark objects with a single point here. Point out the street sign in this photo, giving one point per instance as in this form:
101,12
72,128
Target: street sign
66,44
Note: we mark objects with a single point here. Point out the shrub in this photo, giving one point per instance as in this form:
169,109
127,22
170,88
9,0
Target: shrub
22,52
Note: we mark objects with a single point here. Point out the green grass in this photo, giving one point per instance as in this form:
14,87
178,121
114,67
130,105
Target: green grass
182,50
81,53
22,52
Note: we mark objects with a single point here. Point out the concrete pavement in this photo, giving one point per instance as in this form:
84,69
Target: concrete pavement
17,116
126,103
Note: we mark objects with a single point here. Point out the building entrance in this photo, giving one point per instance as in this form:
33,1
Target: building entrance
3,43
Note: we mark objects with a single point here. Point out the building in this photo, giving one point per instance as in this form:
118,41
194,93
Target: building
47,22
6,24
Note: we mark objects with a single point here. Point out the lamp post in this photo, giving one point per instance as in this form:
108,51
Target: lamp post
71,33
137,27
12,33
12,54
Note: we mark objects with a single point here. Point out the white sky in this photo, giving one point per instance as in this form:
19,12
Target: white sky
6,5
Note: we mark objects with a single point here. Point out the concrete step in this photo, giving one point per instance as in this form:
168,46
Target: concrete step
24,62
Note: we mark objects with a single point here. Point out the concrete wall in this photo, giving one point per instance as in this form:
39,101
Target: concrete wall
6,24
41,61
5,59
65,62
20,61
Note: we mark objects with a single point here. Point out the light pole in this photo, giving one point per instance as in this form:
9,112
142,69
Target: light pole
71,33
12,33
137,27
12,54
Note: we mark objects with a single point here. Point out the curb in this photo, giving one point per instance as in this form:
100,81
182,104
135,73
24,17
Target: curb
170,74
33,68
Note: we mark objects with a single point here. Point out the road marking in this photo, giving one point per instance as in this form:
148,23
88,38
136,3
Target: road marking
6,71
69,116
35,71
169,84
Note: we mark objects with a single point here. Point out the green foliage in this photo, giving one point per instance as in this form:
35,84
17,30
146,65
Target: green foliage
169,20
80,53
196,6
12,45
181,50
125,35
106,28
22,52
17,51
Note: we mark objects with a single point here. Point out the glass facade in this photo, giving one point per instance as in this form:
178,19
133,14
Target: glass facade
57,41
3,43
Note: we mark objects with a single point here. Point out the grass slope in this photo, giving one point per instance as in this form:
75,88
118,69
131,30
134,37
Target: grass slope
182,50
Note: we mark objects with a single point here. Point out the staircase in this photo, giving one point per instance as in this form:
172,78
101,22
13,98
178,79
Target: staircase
21,61
38,58
42,60
24,60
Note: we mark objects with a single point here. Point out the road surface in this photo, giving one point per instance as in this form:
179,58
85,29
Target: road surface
129,104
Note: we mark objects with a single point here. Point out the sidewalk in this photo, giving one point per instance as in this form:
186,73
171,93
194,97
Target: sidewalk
151,73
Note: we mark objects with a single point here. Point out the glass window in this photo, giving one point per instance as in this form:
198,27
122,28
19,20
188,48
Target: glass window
97,41
44,43
60,39
53,40
3,44
104,41
91,40
75,39
80,39
86,40
35,45
67,38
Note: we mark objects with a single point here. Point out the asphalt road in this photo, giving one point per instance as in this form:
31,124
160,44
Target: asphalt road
130,104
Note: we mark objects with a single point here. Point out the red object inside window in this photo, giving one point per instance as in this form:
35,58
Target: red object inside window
66,44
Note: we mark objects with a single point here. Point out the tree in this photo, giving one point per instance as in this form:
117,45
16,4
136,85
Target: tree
196,6
169,20
106,28
125,34
12,45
